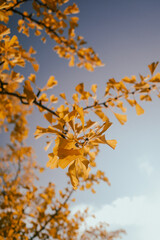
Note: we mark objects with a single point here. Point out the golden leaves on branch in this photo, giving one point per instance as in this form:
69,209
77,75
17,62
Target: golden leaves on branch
74,141
76,138
73,9
4,30
59,24
12,53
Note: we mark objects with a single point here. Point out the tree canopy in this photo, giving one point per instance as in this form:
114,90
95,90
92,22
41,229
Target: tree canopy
75,136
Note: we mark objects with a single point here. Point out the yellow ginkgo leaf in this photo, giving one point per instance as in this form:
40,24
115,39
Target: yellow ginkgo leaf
35,67
32,77
75,97
51,82
41,169
104,127
63,95
139,109
4,30
28,91
132,102
13,40
93,191
89,66
53,98
81,114
94,88
89,185
53,161
112,143
145,97
89,124
80,88
48,117
155,78
73,9
121,118
71,62
43,97
101,115
152,67
82,167
73,176
129,80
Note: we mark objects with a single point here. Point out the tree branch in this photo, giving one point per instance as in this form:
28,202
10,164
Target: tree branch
33,20
23,100
39,23
36,234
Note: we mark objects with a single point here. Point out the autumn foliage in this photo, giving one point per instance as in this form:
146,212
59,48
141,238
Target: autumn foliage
26,211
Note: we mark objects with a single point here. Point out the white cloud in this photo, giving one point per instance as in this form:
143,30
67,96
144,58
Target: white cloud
140,214
146,167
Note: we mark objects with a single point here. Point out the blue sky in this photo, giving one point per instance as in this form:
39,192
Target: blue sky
126,35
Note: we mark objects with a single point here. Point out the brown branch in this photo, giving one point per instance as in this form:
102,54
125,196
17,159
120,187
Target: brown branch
1,63
36,234
46,6
116,98
18,2
23,100
18,170
33,20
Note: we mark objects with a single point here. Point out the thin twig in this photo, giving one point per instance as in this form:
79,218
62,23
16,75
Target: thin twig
23,100
36,234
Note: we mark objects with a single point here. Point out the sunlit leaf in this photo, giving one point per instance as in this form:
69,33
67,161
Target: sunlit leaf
80,88
153,66
51,82
121,118
35,67
94,88
53,161
28,91
32,78
139,109
112,143
48,117
63,95
73,176
89,66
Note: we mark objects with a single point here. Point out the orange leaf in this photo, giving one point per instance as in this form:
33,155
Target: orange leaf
94,88
28,91
139,109
112,143
51,82
48,117
89,66
35,67
63,95
121,118
152,67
